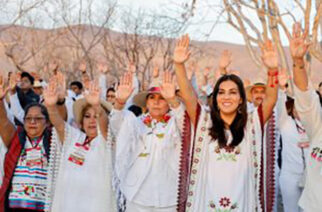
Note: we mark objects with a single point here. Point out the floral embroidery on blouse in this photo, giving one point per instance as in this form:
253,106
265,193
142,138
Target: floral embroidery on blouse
317,154
151,123
224,205
227,153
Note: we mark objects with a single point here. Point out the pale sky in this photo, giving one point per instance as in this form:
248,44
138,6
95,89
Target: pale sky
201,24
202,30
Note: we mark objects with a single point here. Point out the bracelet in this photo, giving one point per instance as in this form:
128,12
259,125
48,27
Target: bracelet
274,74
62,102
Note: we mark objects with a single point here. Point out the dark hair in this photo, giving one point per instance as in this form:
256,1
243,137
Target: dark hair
217,131
320,84
290,106
30,78
78,84
43,109
135,109
110,89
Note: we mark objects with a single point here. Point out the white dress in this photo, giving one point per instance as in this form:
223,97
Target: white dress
310,111
84,178
292,170
147,158
225,179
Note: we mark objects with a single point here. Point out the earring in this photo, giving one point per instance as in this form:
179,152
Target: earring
239,110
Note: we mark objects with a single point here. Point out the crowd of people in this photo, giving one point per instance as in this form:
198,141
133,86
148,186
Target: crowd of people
185,143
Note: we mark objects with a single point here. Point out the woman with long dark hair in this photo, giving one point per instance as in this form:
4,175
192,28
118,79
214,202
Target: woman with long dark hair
226,158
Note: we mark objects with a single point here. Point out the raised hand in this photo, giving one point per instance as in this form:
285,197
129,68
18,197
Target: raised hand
50,93
13,82
61,80
181,52
82,66
168,88
102,67
155,71
93,95
3,89
225,59
269,55
131,68
86,81
53,66
283,78
298,44
125,89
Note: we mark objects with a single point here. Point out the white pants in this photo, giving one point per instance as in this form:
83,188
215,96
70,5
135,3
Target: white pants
133,207
291,192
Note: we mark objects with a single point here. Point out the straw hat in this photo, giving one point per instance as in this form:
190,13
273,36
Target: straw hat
251,87
80,104
37,84
140,98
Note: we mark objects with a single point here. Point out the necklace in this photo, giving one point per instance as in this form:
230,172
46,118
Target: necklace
152,124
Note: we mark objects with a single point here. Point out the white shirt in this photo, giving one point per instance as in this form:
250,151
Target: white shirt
86,187
292,161
308,106
147,158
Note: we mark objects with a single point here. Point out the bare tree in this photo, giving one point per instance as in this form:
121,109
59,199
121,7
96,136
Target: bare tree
272,18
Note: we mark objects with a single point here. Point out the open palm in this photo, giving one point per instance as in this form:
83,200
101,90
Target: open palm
50,93
225,59
168,88
125,89
298,44
93,95
269,55
181,52
3,90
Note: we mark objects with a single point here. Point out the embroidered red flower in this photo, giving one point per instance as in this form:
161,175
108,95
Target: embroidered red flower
147,120
166,118
224,202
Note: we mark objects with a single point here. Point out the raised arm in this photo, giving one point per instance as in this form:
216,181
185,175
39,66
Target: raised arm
180,56
298,49
124,91
93,98
168,90
7,129
270,60
50,96
61,106
224,62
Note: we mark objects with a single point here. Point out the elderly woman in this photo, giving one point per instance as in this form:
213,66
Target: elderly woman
148,146
226,159
26,163
83,180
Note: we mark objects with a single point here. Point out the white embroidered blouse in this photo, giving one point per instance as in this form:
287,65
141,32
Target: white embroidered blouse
225,179
84,181
147,156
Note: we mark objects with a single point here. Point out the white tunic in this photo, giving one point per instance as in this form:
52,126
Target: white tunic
85,187
147,158
310,111
225,179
